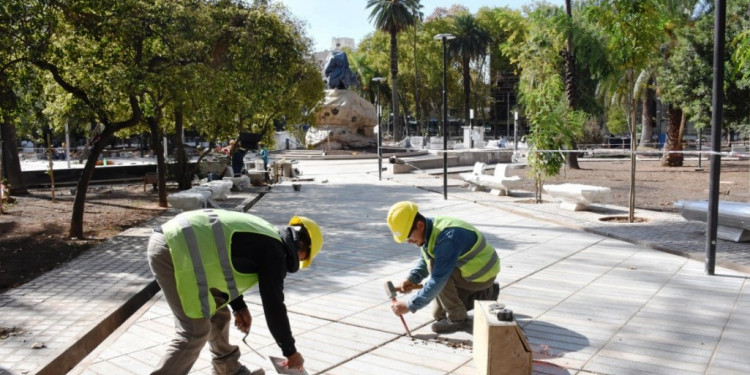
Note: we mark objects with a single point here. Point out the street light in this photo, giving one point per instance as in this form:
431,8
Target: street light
378,110
445,38
515,131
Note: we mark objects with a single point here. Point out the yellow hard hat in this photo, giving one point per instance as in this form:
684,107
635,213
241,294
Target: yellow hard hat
400,219
316,237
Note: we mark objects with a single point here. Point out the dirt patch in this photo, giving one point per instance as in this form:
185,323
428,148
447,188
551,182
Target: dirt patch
656,187
34,231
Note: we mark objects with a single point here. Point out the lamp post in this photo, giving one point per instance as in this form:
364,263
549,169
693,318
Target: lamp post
515,131
378,111
445,38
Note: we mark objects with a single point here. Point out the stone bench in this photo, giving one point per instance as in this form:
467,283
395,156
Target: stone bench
499,182
577,197
733,221
189,199
219,188
473,177
240,182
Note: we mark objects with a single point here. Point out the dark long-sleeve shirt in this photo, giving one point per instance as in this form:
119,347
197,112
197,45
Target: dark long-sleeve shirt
268,257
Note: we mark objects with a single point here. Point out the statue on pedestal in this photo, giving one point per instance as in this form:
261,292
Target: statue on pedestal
345,120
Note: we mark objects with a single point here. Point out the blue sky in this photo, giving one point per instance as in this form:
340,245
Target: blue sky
349,18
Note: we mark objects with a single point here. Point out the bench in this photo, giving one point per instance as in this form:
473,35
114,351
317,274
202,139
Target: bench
733,221
473,177
578,197
188,200
219,188
239,182
499,182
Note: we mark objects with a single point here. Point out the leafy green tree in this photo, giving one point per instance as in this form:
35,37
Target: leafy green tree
471,44
554,126
686,80
393,16
631,30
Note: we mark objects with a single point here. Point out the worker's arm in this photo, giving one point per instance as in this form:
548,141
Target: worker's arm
418,273
265,256
243,320
271,274
449,245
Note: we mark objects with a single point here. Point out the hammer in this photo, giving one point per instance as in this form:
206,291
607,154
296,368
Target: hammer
390,290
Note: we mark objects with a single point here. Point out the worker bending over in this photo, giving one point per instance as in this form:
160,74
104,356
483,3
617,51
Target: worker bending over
461,264
205,259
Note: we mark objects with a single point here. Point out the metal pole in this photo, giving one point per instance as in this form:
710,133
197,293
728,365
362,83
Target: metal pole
379,111
515,131
67,144
507,117
716,122
380,152
445,38
445,125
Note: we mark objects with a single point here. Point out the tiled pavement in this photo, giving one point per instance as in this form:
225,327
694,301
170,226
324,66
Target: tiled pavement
588,302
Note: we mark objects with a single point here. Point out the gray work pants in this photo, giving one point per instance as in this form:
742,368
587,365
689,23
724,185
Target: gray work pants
458,296
190,334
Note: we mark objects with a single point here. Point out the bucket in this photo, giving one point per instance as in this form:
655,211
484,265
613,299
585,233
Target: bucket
297,187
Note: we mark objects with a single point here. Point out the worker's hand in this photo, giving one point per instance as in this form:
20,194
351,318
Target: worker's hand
243,320
406,286
399,307
294,361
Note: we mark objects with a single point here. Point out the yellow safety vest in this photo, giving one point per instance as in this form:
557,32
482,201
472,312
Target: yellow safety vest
479,264
200,243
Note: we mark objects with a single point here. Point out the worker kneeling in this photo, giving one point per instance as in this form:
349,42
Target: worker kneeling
461,264
205,259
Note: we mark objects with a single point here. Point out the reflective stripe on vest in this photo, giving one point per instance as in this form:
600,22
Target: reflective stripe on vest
195,256
480,263
200,245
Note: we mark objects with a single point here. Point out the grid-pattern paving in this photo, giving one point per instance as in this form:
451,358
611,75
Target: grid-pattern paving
588,303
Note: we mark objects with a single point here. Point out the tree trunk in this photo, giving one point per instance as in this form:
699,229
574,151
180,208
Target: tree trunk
9,161
394,88
631,122
674,139
76,221
571,158
161,165
467,91
183,170
647,124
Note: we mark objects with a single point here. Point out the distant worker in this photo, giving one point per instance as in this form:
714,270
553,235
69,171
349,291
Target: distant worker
204,260
461,264
238,159
263,153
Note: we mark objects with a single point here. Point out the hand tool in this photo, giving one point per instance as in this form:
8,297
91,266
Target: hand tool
399,289
251,348
390,290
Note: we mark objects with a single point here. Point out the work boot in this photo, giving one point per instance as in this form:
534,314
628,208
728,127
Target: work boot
495,290
447,325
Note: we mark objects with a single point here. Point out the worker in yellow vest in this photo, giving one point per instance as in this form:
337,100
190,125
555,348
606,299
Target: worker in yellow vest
205,259
461,266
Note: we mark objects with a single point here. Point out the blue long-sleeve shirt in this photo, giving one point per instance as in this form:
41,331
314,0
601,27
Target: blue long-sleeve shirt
449,245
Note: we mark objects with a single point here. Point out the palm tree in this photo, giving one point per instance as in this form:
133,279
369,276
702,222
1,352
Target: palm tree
418,18
392,16
471,43
570,82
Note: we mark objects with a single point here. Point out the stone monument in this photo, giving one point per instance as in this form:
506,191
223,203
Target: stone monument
345,120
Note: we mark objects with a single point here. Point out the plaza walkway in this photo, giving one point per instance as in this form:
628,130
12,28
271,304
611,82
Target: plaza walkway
591,297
